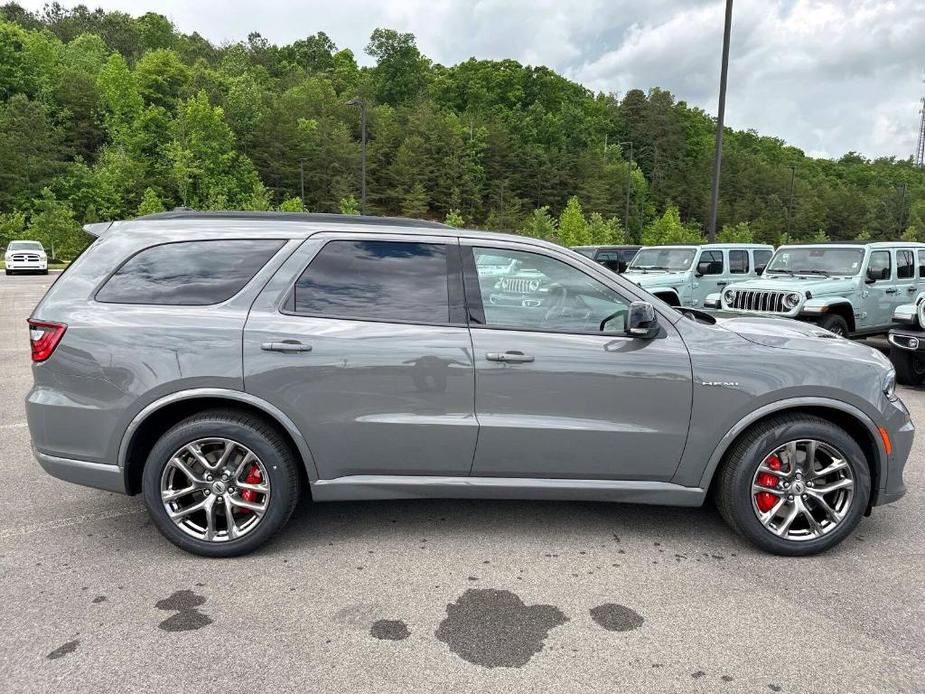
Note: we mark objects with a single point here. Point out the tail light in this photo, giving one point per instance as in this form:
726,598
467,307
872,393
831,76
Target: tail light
44,337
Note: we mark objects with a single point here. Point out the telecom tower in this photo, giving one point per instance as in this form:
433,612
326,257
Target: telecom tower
920,147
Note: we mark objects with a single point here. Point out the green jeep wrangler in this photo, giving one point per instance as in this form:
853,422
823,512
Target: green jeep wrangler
850,289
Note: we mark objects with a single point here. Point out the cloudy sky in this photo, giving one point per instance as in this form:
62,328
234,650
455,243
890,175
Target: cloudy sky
828,77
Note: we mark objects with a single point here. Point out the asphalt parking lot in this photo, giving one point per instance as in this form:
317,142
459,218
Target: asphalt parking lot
440,595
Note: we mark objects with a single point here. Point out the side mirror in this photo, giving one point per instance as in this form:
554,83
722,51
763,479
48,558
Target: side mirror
760,269
876,275
708,267
641,320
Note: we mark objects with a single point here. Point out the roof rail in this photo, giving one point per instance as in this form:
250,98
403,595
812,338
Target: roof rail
318,217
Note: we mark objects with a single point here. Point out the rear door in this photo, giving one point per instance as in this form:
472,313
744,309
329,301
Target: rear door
907,283
557,397
361,340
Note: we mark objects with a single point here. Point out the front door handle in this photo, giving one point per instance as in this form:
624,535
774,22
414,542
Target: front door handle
721,284
891,290
287,346
511,357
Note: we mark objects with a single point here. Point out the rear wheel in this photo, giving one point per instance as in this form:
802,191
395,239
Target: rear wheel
910,366
835,324
794,485
220,483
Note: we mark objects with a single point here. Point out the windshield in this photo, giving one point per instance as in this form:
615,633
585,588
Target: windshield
24,246
817,260
663,259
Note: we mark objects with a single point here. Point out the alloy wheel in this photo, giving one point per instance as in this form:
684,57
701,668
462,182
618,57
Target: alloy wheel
215,489
802,490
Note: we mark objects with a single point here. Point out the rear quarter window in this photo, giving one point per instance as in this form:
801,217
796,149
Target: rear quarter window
188,273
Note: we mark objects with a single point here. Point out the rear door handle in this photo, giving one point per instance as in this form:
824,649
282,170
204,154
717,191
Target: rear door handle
891,290
288,346
911,289
511,357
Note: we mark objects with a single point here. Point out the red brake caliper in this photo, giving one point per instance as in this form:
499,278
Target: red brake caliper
765,500
249,495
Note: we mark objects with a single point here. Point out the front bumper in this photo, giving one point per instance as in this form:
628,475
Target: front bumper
33,265
907,339
98,475
901,430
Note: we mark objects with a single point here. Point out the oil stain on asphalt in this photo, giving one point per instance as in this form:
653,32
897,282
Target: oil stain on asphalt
187,617
494,628
63,650
615,617
389,630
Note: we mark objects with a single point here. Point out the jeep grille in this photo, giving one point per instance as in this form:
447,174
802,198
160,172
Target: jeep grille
758,300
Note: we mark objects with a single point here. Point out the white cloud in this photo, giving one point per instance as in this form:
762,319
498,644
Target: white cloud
828,76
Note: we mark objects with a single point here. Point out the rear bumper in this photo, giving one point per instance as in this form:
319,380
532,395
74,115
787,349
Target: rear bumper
99,475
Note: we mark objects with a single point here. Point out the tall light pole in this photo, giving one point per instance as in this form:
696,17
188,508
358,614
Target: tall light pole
302,180
793,171
361,104
629,179
720,117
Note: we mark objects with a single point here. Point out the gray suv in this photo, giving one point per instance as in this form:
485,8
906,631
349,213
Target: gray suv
225,364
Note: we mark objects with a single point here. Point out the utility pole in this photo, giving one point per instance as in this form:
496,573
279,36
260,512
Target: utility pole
793,170
302,180
361,104
720,118
629,180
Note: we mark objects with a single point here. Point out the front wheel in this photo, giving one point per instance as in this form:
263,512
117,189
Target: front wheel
835,324
910,366
794,485
220,483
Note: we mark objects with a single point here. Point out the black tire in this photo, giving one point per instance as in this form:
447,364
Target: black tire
254,433
9,272
910,366
834,323
45,272
733,492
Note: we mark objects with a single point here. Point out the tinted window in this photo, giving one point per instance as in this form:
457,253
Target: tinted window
879,262
377,281
761,260
24,246
921,263
715,258
190,273
738,262
536,292
905,265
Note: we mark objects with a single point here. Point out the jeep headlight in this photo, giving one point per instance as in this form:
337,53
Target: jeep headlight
791,301
889,384
729,296
534,285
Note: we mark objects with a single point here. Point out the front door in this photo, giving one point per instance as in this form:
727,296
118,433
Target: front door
558,395
361,340
879,292
712,280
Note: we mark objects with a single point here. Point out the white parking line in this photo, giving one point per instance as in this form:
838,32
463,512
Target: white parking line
17,425
65,522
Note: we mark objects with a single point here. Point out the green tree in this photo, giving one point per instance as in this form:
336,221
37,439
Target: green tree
349,205
668,229
736,233
603,232
540,224
291,205
12,226
573,227
454,219
150,203
401,71
415,203
53,224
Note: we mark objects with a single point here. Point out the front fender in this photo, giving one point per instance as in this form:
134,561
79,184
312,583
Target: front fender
824,304
909,313
790,404
714,300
